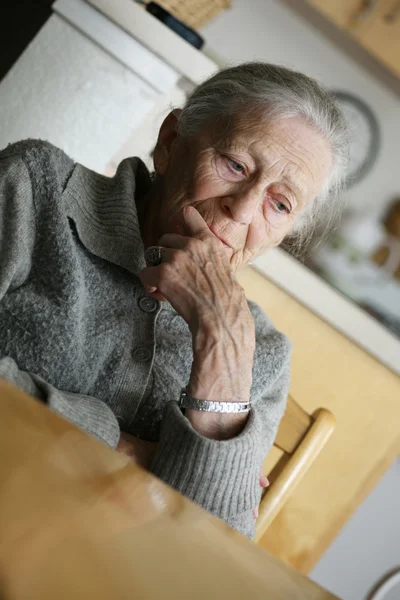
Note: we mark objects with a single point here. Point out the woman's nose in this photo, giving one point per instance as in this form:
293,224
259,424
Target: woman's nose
241,208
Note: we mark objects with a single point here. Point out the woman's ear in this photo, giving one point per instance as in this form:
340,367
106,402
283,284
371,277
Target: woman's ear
166,138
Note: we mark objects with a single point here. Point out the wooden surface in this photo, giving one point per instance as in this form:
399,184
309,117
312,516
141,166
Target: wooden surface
331,371
293,427
302,447
78,520
381,35
375,24
344,12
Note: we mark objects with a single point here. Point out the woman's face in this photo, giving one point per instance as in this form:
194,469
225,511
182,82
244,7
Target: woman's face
249,187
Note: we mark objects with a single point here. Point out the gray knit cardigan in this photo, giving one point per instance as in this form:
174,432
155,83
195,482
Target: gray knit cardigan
78,331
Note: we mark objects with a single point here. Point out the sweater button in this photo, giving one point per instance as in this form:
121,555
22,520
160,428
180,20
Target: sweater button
147,304
142,354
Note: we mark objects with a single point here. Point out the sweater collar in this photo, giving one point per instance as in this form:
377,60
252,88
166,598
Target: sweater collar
104,212
105,215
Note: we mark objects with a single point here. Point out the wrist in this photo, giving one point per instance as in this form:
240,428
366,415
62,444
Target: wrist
221,377
217,426
214,337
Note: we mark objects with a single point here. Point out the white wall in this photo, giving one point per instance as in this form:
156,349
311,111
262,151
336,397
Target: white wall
369,545
67,90
269,30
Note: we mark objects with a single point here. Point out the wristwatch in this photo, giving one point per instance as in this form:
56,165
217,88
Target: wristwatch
186,401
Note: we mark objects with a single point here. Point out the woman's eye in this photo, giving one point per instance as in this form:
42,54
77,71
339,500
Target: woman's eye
231,169
235,166
281,207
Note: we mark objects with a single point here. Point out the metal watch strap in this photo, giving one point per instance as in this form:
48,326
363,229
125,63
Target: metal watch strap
186,401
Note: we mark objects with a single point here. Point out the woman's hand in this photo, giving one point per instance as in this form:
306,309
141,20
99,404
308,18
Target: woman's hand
264,483
195,276
140,451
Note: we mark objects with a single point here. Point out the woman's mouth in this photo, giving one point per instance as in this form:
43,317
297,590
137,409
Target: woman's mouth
225,244
221,239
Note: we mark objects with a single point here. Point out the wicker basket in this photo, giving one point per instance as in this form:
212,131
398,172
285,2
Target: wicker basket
194,13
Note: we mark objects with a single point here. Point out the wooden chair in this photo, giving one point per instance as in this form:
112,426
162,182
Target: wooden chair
301,437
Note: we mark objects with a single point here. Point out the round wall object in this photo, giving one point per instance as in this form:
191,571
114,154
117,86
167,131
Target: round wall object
388,588
364,134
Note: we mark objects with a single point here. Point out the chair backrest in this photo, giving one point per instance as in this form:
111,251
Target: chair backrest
301,438
293,427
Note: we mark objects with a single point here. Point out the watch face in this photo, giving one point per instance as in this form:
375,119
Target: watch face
364,136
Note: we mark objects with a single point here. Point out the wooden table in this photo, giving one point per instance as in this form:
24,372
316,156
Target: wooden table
78,520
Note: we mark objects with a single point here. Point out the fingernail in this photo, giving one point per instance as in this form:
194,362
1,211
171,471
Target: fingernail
264,481
150,289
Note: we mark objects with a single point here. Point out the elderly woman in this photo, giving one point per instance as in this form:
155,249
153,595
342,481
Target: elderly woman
119,304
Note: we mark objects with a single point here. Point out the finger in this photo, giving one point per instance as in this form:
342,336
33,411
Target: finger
154,293
126,448
154,280
150,277
195,224
157,296
153,256
177,225
264,481
174,240
255,512
150,289
167,255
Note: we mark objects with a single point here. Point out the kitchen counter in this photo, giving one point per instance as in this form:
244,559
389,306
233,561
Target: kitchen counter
329,304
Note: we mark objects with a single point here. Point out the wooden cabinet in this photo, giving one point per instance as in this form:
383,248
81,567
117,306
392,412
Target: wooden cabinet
330,371
344,13
375,24
381,34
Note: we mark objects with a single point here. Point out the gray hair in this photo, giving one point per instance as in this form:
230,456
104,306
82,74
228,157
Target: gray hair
278,92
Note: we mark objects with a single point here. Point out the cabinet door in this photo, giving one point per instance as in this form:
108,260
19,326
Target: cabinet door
381,36
346,14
